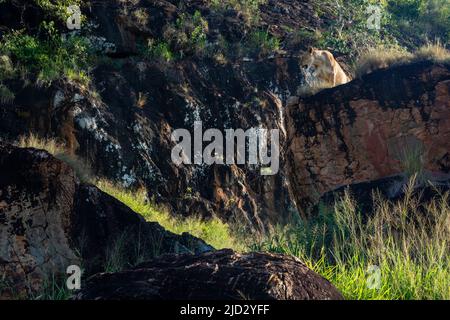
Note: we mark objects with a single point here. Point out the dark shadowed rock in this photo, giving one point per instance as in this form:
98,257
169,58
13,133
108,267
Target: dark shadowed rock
391,188
48,221
216,275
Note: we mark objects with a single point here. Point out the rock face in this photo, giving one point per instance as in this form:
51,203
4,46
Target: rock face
372,128
49,221
122,123
215,275
124,130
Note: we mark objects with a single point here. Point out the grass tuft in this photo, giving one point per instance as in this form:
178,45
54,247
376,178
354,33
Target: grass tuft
407,241
385,57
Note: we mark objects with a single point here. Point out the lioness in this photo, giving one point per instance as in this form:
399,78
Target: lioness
321,65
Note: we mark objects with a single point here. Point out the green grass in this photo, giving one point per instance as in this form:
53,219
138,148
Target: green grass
408,242
213,231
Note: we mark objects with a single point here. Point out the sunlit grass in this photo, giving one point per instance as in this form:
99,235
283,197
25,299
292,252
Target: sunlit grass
213,231
408,241
386,57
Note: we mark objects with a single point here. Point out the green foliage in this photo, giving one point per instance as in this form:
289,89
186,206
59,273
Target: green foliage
6,95
6,72
54,288
188,35
348,32
50,55
57,8
411,158
423,19
410,23
159,50
262,43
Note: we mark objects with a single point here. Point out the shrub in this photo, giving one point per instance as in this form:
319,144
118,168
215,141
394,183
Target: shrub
57,8
50,56
159,50
188,35
421,19
6,95
348,32
262,43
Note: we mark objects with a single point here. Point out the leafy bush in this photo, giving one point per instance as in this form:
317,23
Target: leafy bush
348,32
50,55
188,35
423,19
262,43
57,8
159,50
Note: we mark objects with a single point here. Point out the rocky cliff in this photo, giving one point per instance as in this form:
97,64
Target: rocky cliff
122,120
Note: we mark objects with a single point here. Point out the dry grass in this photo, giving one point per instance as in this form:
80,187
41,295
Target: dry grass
59,151
141,100
433,51
382,57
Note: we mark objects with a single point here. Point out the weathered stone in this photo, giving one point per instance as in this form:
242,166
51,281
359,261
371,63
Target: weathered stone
49,221
217,275
367,128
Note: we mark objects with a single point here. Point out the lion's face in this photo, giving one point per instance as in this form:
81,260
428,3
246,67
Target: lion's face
309,61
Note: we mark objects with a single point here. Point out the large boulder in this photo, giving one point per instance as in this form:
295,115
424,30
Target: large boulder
387,123
215,275
49,221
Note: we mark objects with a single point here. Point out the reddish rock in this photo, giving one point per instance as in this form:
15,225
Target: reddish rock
361,131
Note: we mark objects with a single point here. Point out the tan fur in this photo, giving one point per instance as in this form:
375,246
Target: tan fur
324,67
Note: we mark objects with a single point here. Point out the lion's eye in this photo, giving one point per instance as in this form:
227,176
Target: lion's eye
305,66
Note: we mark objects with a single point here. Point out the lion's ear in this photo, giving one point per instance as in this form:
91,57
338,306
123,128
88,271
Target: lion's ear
311,49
